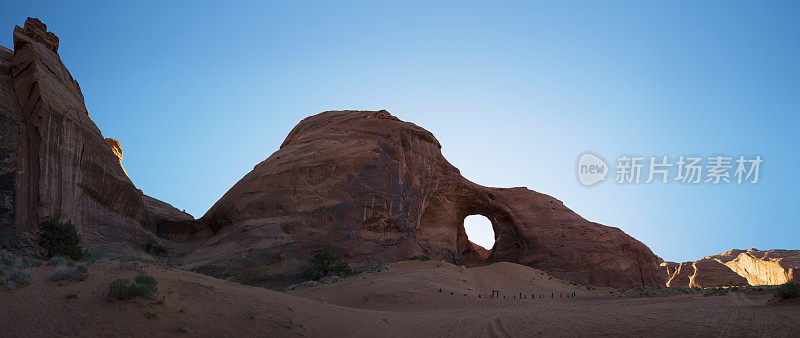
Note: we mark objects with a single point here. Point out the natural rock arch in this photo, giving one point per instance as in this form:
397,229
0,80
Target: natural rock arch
378,190
441,231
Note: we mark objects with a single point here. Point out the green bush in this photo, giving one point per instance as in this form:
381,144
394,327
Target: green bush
123,289
789,290
60,239
324,263
420,258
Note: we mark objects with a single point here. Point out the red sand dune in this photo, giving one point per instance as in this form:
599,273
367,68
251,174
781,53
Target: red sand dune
401,301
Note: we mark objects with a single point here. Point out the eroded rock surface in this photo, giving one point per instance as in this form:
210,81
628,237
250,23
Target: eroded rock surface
709,272
681,278
378,189
736,268
55,161
767,267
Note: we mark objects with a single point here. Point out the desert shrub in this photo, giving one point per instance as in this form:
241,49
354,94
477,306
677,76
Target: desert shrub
60,239
789,290
8,261
58,260
123,289
146,280
17,278
420,258
324,263
63,272
129,264
718,291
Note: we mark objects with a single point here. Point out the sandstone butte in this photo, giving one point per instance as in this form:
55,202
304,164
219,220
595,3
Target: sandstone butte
362,183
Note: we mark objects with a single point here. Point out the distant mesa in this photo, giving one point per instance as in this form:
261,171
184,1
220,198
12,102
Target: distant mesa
736,268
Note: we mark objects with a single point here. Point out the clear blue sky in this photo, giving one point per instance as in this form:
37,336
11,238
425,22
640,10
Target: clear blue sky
198,94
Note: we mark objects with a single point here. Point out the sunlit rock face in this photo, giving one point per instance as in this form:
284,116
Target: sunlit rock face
681,278
767,267
378,189
55,162
737,267
668,269
709,272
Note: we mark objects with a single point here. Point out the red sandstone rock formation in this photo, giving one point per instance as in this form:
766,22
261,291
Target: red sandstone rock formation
709,272
736,268
668,269
769,267
378,189
57,162
682,276
363,183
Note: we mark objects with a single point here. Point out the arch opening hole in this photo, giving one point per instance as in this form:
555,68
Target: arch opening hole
480,231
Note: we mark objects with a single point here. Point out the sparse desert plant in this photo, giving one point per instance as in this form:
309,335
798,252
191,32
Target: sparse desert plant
146,280
150,315
129,264
324,263
73,294
8,261
17,278
59,260
63,272
123,289
789,290
60,239
419,258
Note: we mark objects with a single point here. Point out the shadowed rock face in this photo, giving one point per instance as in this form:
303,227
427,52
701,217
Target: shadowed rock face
54,160
378,189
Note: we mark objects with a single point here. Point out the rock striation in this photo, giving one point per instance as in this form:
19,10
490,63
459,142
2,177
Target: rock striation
55,162
736,268
377,189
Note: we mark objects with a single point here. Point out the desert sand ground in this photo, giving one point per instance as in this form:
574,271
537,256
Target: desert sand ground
402,300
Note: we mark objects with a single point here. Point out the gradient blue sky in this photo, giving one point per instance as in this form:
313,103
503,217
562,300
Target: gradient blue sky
198,94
